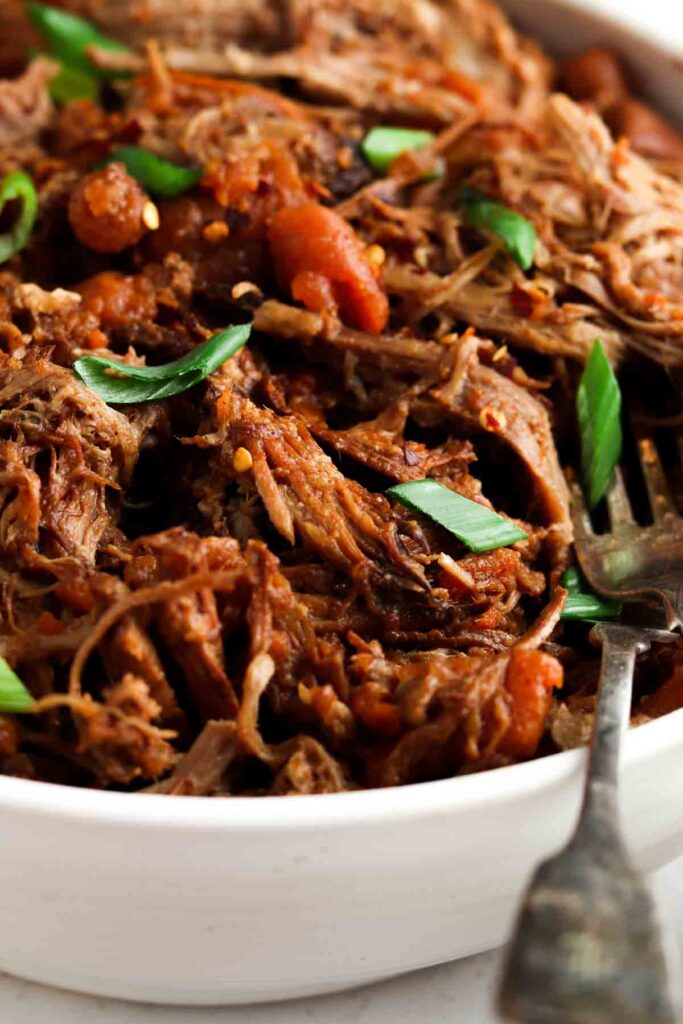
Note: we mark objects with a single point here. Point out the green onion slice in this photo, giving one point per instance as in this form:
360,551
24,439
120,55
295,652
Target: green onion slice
157,176
73,84
122,384
382,145
581,604
68,38
18,186
14,697
476,526
598,407
517,234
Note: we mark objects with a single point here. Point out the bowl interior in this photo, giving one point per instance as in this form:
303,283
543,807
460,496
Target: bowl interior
563,26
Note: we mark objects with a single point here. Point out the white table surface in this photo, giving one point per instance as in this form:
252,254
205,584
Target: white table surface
459,993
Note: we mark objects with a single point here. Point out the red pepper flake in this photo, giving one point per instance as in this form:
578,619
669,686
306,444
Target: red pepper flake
528,302
492,419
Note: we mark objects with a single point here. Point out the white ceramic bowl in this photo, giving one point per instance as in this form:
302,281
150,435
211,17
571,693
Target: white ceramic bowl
238,900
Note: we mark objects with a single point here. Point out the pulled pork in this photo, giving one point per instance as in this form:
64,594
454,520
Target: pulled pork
212,594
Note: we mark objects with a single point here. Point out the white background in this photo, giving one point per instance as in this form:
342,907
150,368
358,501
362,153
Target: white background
459,993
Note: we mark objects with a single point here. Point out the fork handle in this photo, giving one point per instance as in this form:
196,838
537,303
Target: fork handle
599,819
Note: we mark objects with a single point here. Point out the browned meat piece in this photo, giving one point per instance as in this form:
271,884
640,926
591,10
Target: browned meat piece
609,228
122,746
201,24
648,132
128,649
190,624
460,710
201,770
25,108
380,444
17,38
54,320
310,769
424,59
489,401
595,75
308,499
72,451
634,211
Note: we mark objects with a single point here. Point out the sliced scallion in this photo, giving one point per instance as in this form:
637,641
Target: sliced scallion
476,526
159,177
14,697
382,145
17,186
517,234
598,407
122,384
582,604
69,38
73,84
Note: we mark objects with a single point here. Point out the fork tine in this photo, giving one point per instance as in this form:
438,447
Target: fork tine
583,527
618,505
661,502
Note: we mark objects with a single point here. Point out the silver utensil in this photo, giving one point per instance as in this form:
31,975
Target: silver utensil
632,562
588,947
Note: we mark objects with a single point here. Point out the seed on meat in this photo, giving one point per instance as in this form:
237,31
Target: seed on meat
492,419
242,460
150,216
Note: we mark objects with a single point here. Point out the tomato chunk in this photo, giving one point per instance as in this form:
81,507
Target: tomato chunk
118,299
320,259
106,210
531,678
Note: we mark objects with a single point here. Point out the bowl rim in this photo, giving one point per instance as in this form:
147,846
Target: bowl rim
629,16
392,805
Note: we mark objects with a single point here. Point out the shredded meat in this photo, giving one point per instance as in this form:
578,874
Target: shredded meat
25,107
65,453
216,593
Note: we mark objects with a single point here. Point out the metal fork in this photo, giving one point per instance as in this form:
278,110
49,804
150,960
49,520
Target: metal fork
588,947
635,563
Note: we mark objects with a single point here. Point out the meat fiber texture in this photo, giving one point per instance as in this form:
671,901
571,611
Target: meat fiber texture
213,594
